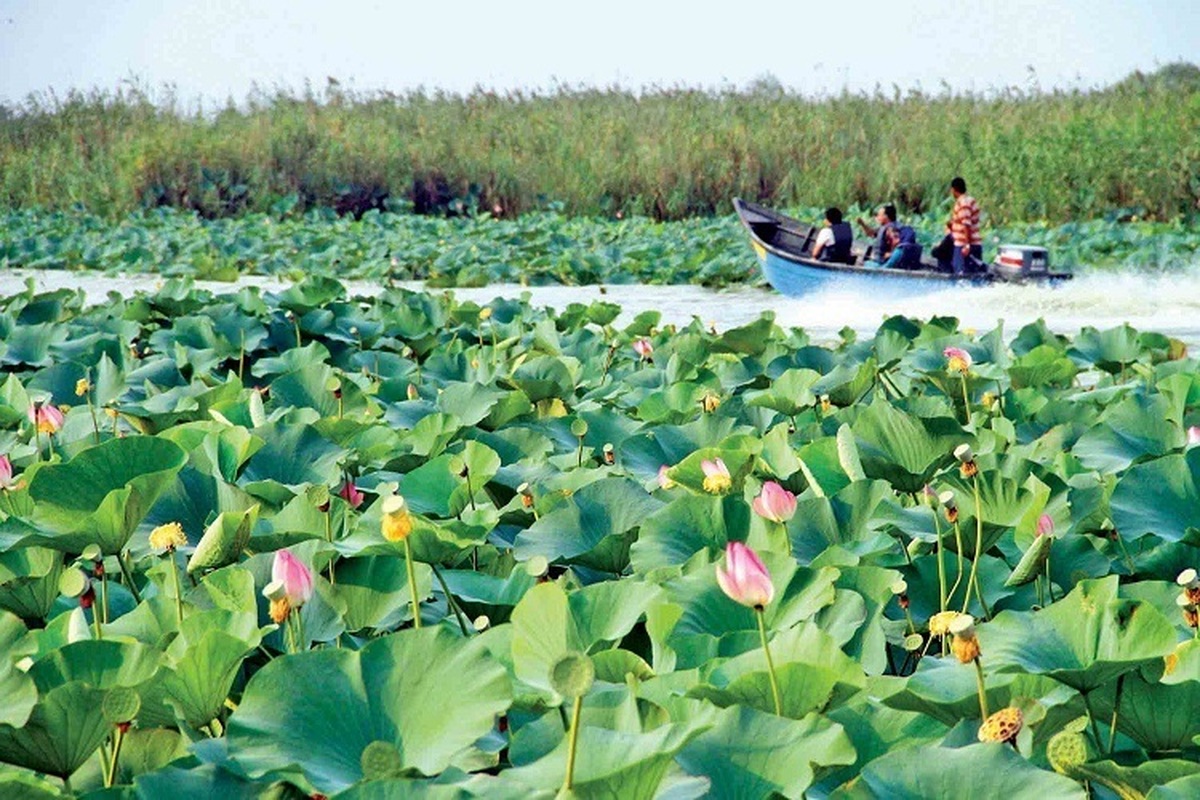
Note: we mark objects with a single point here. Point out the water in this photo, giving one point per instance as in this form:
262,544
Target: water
1165,303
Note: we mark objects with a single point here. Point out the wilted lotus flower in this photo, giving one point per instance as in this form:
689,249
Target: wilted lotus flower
82,387
745,579
351,494
957,359
396,523
6,475
1189,582
775,503
965,645
717,479
1045,525
45,417
950,504
939,624
643,348
966,456
291,585
710,402
664,481
1003,726
1193,436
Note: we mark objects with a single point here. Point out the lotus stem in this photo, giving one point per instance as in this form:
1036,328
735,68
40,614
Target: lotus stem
96,622
1087,704
241,354
1125,552
178,588
579,460
937,527
1049,581
966,400
92,411
572,744
958,544
118,739
412,584
762,632
983,704
37,432
1112,727
329,538
129,582
974,581
450,601
470,491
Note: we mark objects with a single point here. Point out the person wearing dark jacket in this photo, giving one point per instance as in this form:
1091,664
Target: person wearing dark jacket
834,241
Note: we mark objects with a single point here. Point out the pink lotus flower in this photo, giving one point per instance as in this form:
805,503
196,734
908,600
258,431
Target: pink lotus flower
6,475
775,503
293,576
664,480
1045,525
957,359
746,579
45,417
1193,435
643,348
351,494
716,476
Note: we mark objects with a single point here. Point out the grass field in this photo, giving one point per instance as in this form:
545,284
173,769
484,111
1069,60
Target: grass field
666,153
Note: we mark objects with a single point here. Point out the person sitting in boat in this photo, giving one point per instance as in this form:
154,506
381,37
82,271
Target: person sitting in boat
944,252
834,240
964,225
884,234
896,245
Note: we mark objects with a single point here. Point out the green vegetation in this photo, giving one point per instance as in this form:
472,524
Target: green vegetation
300,543
667,153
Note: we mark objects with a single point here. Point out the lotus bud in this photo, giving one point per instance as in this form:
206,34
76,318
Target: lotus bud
412,392
295,578
745,579
1193,436
396,523
351,494
826,406
717,479
643,348
964,454
168,537
45,417
988,400
710,402
1003,726
610,457
957,359
929,496
774,503
664,480
965,645
82,387
7,482
1045,525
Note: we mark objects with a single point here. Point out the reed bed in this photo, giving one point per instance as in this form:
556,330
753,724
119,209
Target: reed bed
668,153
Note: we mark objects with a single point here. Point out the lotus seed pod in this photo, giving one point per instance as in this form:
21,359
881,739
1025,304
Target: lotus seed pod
1065,750
947,499
1003,726
579,427
963,453
1188,578
481,623
381,760
899,587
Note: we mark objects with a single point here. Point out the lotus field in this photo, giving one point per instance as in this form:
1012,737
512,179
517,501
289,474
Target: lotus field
311,545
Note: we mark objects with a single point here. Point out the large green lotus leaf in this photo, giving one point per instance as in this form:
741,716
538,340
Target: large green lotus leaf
102,495
738,460
846,519
789,394
479,593
675,532
18,693
102,664
63,731
1110,350
293,455
1178,789
610,764
470,402
902,449
145,750
410,789
1084,640
666,445
875,729
30,344
846,383
1135,783
29,581
548,623
224,540
215,448
606,509
1004,502
544,377
310,387
376,591
205,658
945,690
748,753
1044,365
813,673
1136,428
976,772
435,487
192,499
1160,497
749,339
183,403
1159,716
23,785
392,691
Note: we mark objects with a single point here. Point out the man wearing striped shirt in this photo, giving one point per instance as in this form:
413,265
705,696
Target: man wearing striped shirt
964,227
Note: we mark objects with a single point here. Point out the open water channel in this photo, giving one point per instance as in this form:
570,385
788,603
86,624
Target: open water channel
1165,303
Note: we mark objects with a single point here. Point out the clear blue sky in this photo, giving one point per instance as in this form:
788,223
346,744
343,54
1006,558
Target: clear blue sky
218,48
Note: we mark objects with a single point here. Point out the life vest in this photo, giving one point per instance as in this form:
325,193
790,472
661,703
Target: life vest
909,247
881,241
843,238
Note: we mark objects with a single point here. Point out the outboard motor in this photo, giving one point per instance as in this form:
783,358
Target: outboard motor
1021,262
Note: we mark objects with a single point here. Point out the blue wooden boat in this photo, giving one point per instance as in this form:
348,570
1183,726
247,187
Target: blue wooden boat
784,244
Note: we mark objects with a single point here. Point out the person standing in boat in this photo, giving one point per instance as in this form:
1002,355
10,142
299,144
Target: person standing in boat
834,240
964,227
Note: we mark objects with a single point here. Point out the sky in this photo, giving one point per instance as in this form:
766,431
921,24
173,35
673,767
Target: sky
210,50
